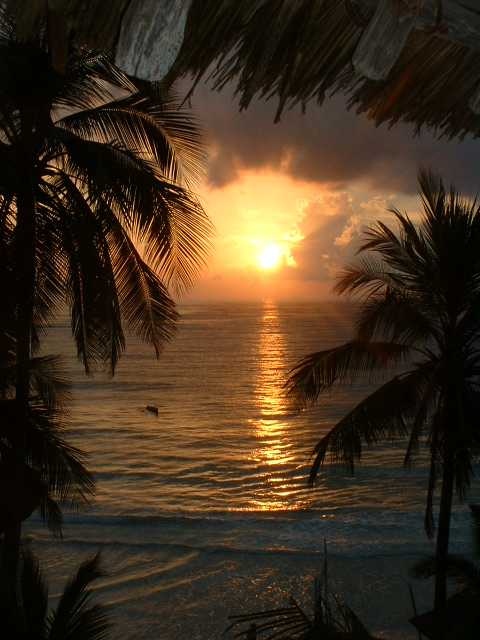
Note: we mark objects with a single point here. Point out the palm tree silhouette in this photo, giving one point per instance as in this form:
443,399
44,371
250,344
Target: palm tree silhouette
24,614
421,314
56,472
95,211
463,607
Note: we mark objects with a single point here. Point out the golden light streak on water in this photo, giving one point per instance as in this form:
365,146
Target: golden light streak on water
271,430
271,354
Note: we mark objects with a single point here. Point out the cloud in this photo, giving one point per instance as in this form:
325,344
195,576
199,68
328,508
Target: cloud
341,171
329,232
327,145
327,227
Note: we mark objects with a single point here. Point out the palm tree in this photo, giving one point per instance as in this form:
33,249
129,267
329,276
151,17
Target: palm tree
25,615
420,314
56,472
463,606
95,211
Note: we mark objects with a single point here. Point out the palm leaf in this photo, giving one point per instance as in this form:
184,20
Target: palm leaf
34,596
167,218
63,464
316,373
50,384
463,573
146,304
365,275
76,617
153,124
382,416
25,615
280,623
420,292
90,79
292,623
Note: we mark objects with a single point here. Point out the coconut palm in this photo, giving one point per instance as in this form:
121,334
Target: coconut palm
25,615
463,606
95,211
420,315
56,472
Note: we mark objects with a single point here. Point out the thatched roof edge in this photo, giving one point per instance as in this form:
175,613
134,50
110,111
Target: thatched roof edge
297,51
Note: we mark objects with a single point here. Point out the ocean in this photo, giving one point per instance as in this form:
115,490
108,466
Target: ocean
203,511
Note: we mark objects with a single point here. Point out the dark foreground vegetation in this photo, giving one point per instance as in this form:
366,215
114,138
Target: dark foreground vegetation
417,334
95,164
96,214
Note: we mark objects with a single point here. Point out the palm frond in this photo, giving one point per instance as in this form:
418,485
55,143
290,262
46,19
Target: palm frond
432,193
90,282
166,218
235,37
423,568
50,290
24,614
316,373
396,317
34,595
153,125
50,384
90,79
189,245
464,574
351,624
469,325
280,623
292,623
76,617
49,508
56,472
365,275
63,465
464,469
382,416
147,307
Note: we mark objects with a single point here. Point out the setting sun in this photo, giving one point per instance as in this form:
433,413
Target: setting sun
269,256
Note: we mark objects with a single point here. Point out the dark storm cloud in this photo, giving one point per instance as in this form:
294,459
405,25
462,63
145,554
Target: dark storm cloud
327,145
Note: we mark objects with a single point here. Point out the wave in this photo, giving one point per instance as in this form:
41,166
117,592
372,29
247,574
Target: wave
299,534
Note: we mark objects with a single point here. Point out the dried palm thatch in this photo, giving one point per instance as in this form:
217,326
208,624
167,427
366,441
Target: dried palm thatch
430,86
397,60
295,51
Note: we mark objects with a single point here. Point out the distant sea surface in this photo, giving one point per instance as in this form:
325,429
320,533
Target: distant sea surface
203,511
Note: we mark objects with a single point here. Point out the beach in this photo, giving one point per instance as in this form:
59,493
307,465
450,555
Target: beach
203,510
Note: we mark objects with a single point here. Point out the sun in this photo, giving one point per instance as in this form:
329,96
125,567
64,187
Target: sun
269,256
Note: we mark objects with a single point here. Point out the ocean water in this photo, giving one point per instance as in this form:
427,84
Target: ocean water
203,511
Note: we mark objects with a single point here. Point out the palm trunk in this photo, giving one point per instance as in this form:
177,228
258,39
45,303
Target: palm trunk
443,534
25,241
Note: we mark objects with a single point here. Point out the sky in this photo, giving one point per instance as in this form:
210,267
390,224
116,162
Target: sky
289,200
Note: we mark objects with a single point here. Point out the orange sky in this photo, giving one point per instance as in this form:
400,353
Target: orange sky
304,188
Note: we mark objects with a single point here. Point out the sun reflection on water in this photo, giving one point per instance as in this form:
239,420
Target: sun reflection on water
271,430
271,352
